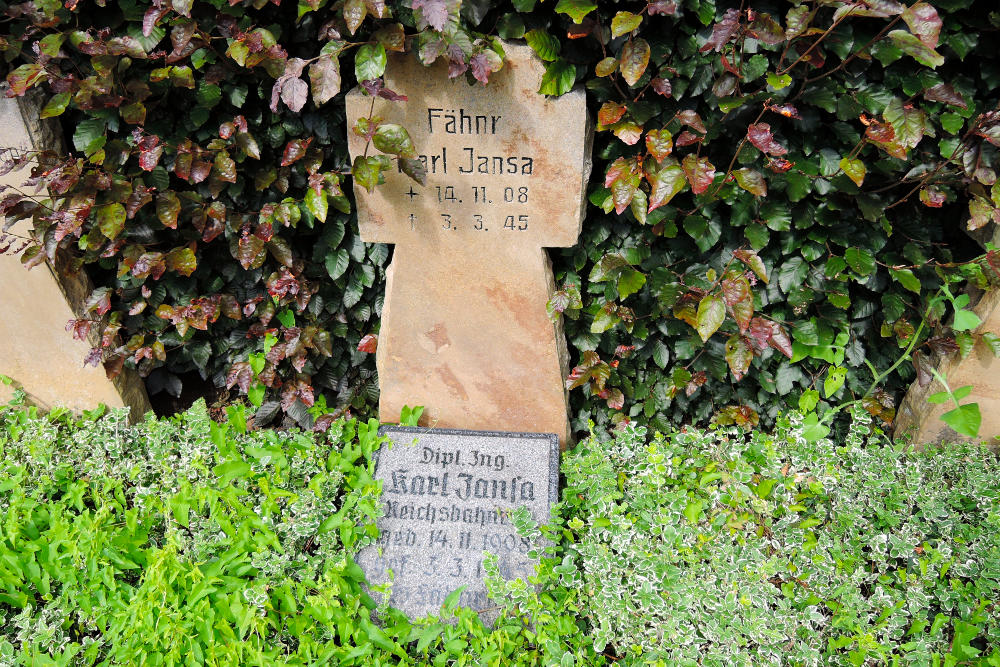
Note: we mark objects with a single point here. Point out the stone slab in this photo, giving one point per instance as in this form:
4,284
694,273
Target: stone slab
446,496
464,329
38,353
921,421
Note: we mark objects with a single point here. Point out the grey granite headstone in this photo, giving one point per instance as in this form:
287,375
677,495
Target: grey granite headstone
447,497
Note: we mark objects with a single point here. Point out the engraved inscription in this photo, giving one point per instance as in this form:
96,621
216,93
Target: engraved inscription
445,501
480,198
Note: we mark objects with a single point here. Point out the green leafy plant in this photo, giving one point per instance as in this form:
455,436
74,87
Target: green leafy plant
727,548
769,205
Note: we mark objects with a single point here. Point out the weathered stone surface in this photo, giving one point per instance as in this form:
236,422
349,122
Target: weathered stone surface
464,328
447,497
38,352
921,421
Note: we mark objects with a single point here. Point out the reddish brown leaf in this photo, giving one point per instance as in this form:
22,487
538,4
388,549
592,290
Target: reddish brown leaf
786,110
113,366
760,136
686,138
766,29
483,64
628,132
779,165
619,169
25,77
79,328
661,86
659,143
699,172
779,340
697,380
241,375
664,183
924,22
945,92
759,333
610,113
295,150
723,31
932,197
881,133
738,356
691,119
368,344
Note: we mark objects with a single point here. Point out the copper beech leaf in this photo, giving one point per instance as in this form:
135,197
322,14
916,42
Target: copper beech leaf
855,170
760,136
738,356
692,120
723,31
699,172
168,206
250,251
981,212
225,167
659,143
634,59
664,184
912,46
924,22
606,67
610,113
624,22
368,344
737,295
25,77
711,313
752,181
932,197
111,219
394,139
779,340
623,189
945,92
628,132
324,75
294,151
753,262
182,260
354,14
908,124
662,86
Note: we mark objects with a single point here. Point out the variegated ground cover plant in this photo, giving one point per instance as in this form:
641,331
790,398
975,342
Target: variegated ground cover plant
187,541
780,187
723,548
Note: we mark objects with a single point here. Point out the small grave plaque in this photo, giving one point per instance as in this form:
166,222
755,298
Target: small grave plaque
448,497
464,327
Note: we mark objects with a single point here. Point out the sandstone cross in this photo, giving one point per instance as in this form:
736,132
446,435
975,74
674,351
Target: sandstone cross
464,328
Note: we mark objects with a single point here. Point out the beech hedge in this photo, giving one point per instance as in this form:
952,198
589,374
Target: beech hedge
778,189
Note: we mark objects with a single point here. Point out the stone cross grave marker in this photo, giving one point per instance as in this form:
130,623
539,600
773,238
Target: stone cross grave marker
464,327
448,496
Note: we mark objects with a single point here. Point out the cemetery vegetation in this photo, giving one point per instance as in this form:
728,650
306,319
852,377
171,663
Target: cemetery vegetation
190,541
779,189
